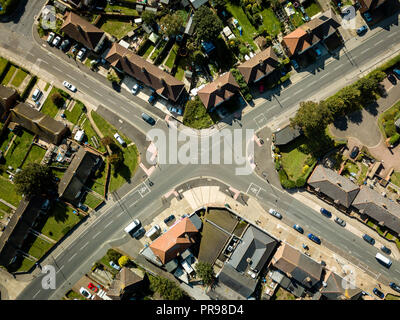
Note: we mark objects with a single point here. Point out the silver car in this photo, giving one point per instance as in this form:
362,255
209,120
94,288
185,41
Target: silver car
275,213
69,86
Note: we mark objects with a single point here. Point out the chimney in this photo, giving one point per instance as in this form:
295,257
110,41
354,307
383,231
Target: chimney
384,205
260,62
308,30
338,183
248,260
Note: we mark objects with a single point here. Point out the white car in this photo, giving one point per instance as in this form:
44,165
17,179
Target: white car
81,53
135,89
56,41
119,139
69,86
51,37
275,213
86,293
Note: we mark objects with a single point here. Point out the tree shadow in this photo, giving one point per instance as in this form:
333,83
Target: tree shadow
372,108
121,169
341,123
17,12
355,117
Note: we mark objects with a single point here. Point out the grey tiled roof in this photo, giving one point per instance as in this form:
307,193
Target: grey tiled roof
286,135
338,288
238,282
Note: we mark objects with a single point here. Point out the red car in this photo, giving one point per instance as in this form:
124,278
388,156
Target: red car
91,286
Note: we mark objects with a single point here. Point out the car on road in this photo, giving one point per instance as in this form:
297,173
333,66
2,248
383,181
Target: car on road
369,239
275,213
152,99
50,37
65,45
86,293
135,89
133,226
340,222
69,86
115,266
56,41
396,72
325,212
92,287
367,17
168,219
354,152
81,53
119,139
148,119
394,286
314,238
298,228
378,293
362,30
294,64
386,249
392,78
36,95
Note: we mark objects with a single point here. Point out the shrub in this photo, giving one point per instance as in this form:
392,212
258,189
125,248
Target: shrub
305,168
57,99
113,255
277,165
300,182
390,128
394,139
123,261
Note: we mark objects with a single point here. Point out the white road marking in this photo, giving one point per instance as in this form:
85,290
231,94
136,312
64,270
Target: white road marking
60,268
96,234
392,35
338,67
325,75
36,294
120,214
84,85
84,246
71,77
108,224
73,256
43,61
377,43
55,68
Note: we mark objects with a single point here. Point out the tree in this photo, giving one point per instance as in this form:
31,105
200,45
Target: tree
205,272
166,288
208,25
113,76
123,261
219,4
350,95
116,159
171,24
336,105
113,255
148,17
107,141
57,99
34,179
312,118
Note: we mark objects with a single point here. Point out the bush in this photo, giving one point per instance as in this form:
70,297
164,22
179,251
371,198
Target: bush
123,261
57,99
277,165
113,255
305,169
390,128
300,182
394,139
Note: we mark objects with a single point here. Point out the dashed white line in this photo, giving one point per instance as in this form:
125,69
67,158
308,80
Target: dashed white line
71,77
96,234
120,214
55,68
392,35
108,224
377,43
73,256
325,75
60,268
84,246
338,67
36,294
84,85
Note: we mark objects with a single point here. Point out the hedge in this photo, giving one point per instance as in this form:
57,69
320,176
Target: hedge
28,88
393,139
389,64
242,84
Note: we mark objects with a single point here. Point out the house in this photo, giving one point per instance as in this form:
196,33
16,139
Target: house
8,97
372,204
79,4
175,241
297,266
260,66
82,165
39,123
286,135
337,288
83,31
370,5
220,90
135,66
331,184
311,33
197,3
126,283
18,227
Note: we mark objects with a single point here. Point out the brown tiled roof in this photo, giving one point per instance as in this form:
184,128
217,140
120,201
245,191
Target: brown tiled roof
259,66
81,30
218,91
367,5
174,241
124,279
39,123
76,175
8,96
152,76
338,288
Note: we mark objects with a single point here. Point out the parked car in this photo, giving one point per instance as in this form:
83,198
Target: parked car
64,45
378,293
369,239
394,286
354,152
367,17
139,233
36,95
83,207
386,249
119,139
340,222
325,212
50,37
81,53
314,238
396,72
56,41
362,30
168,219
294,64
148,119
69,86
115,266
135,89
86,293
92,287
152,98
179,111
275,213
318,52
392,78
298,228
75,48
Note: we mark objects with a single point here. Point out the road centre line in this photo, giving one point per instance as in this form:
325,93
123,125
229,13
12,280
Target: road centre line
36,294
108,224
55,68
73,256
338,67
325,75
380,41
97,234
84,246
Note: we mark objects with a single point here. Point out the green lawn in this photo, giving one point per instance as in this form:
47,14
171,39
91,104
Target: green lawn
351,167
124,10
72,295
390,296
49,107
92,201
25,265
117,28
36,155
395,178
149,50
172,56
36,246
58,172
5,208
196,116
18,149
75,113
363,174
282,294
312,8
97,184
9,75
248,30
271,22
3,64
60,220
19,78
9,193
297,19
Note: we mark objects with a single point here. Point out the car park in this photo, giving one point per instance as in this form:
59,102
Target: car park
362,30
396,72
36,95
119,139
367,17
135,89
115,266
69,86
148,119
325,212
369,239
64,45
378,293
340,222
314,238
386,249
354,152
86,293
298,228
56,41
392,78
275,213
51,37
81,53
394,286
168,219
92,287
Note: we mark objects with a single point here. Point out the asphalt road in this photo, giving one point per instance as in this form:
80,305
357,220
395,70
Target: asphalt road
144,201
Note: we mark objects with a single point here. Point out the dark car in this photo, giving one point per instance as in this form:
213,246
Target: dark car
394,286
65,45
396,72
362,29
326,213
369,239
354,152
152,98
298,228
340,222
386,250
168,219
139,233
392,78
378,293
148,119
314,238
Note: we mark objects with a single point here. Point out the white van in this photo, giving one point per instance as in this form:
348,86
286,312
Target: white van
153,231
381,258
131,228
